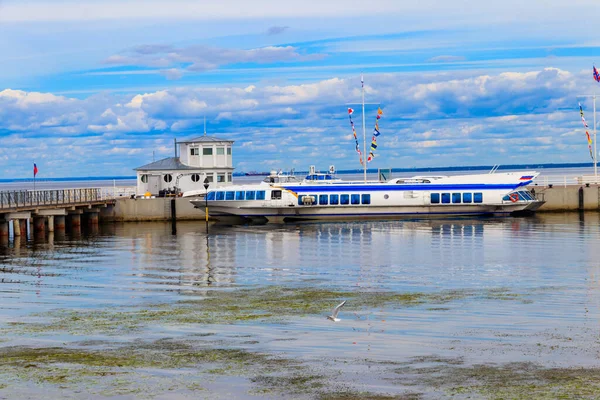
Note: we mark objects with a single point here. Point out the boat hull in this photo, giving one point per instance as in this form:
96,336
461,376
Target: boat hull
284,214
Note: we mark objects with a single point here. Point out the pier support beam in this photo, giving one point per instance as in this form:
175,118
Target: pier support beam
3,228
50,223
39,225
17,227
92,218
59,222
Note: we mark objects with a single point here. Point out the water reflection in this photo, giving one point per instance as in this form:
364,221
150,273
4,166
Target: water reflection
127,264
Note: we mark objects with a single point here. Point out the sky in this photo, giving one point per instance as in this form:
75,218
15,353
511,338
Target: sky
98,88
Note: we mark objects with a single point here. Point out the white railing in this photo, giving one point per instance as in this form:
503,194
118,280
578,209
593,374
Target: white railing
116,192
565,180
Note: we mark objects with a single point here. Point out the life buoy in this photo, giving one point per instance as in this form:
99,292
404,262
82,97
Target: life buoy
514,197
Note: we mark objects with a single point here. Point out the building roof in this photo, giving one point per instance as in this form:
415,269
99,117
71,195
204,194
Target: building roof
170,163
205,139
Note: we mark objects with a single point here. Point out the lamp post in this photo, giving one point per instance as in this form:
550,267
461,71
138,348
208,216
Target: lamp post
206,201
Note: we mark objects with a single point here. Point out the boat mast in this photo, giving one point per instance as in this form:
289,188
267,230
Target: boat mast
364,155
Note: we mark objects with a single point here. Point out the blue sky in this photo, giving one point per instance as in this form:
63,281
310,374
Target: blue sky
95,87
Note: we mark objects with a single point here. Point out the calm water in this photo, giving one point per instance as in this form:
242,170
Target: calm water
550,263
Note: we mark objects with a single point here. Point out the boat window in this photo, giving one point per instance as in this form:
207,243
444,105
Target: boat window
435,198
220,195
229,195
525,195
275,194
210,196
260,195
250,194
445,198
323,199
506,198
344,199
239,195
327,177
300,200
477,197
456,197
334,199
366,199
467,197
355,199
321,177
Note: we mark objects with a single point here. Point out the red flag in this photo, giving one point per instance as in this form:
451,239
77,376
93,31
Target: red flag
596,74
350,111
35,170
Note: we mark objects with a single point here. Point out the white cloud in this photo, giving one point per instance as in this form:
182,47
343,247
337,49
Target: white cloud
474,119
201,58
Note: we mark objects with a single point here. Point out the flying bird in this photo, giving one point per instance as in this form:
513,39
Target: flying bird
335,312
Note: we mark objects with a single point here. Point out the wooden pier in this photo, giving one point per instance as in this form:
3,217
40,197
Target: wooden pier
50,210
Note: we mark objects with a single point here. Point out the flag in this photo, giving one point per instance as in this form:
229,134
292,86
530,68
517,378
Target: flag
596,74
350,111
379,111
35,170
362,81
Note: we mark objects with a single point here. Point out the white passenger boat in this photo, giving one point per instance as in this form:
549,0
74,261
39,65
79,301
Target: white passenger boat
281,198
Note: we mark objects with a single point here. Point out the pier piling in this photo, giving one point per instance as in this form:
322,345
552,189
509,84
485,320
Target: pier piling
17,227
3,228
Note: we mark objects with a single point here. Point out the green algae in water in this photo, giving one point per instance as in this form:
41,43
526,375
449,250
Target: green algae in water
240,306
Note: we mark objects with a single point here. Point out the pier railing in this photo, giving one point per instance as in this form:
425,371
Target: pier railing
28,198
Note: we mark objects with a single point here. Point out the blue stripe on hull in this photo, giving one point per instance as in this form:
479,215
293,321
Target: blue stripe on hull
380,188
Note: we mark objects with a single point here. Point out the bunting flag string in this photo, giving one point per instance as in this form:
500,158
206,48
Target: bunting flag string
587,134
375,134
350,111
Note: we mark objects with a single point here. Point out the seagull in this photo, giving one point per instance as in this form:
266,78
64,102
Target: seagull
335,312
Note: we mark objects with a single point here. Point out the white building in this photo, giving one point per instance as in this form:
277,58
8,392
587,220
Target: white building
199,158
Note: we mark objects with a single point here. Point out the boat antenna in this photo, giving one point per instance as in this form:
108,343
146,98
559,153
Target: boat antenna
362,83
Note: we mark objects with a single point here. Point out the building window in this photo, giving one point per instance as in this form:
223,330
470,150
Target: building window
456,197
195,177
229,177
194,151
220,177
334,199
220,151
210,178
344,199
229,151
207,151
276,195
477,197
467,197
168,178
445,198
144,178
435,198
366,199
323,199
260,195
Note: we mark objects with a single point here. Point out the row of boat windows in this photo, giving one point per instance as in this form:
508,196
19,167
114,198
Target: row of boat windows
242,195
334,199
447,198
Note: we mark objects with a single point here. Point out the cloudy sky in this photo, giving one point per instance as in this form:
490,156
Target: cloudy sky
95,88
